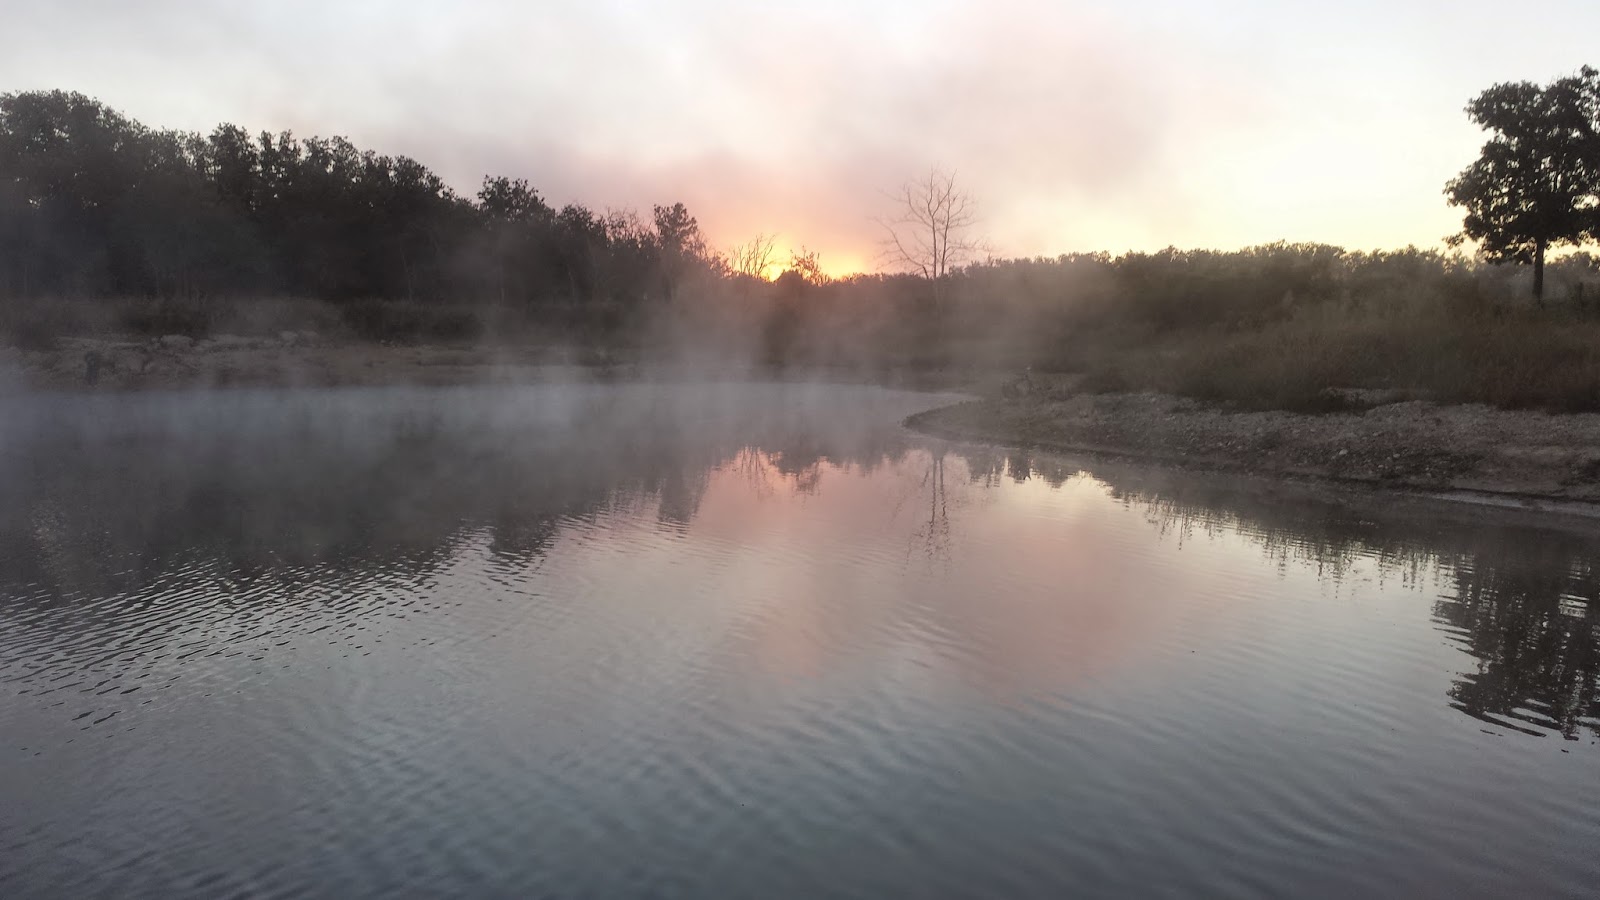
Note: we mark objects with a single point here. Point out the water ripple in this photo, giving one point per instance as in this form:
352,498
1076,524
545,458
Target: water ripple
534,642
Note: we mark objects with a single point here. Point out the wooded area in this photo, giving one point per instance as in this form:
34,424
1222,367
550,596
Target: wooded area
107,225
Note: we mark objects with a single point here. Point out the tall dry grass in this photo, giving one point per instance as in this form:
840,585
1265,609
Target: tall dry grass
1287,326
1293,327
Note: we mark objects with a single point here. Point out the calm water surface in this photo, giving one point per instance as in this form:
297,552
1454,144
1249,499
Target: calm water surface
680,640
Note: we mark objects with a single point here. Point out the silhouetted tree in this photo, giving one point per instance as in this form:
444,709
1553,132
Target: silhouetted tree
754,258
580,248
930,231
681,245
93,204
96,206
516,218
807,264
1536,184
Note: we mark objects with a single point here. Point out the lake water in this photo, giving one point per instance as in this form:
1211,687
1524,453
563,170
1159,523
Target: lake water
755,640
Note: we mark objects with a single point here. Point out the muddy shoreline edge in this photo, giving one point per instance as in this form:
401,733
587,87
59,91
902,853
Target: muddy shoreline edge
1474,456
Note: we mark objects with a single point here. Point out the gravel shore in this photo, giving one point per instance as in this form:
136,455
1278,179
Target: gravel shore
1439,449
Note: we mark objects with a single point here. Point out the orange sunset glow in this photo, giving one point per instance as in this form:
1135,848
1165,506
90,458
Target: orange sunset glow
841,448
1075,126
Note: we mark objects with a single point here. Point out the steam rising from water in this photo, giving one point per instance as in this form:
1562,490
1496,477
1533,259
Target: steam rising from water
656,639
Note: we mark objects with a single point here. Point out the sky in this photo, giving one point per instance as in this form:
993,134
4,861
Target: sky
1075,126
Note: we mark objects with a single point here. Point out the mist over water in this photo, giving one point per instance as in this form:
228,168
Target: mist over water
755,639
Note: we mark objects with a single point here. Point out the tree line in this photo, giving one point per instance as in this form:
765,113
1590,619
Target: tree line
94,204
176,232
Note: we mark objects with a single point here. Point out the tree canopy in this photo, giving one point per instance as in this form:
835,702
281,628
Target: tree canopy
1536,184
95,204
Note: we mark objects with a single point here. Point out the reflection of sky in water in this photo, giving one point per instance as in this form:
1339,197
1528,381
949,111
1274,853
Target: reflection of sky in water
1047,586
615,620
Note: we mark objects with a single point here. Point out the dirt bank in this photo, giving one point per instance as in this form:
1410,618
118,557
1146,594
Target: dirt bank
1438,449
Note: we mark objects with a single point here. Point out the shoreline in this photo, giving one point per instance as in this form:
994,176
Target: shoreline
1465,454
1461,454
304,360
288,360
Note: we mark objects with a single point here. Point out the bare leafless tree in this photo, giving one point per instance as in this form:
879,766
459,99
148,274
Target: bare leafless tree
931,229
754,258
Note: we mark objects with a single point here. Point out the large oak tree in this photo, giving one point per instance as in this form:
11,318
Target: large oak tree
1536,184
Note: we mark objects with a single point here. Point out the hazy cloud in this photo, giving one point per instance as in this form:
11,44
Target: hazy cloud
1077,125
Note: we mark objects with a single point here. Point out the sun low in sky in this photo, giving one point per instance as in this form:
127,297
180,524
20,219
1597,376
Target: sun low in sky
1076,126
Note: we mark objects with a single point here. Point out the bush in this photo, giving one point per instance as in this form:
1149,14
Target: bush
1522,360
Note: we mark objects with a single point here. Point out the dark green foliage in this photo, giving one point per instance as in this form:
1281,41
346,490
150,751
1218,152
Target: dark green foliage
107,226
1537,183
93,204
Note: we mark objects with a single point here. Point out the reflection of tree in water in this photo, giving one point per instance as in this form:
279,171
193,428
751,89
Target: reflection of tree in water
87,511
1532,621
934,534
801,466
1525,603
924,496
298,503
1290,523
755,469
798,467
1324,536
989,466
680,490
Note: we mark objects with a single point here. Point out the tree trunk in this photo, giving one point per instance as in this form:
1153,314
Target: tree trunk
1538,272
